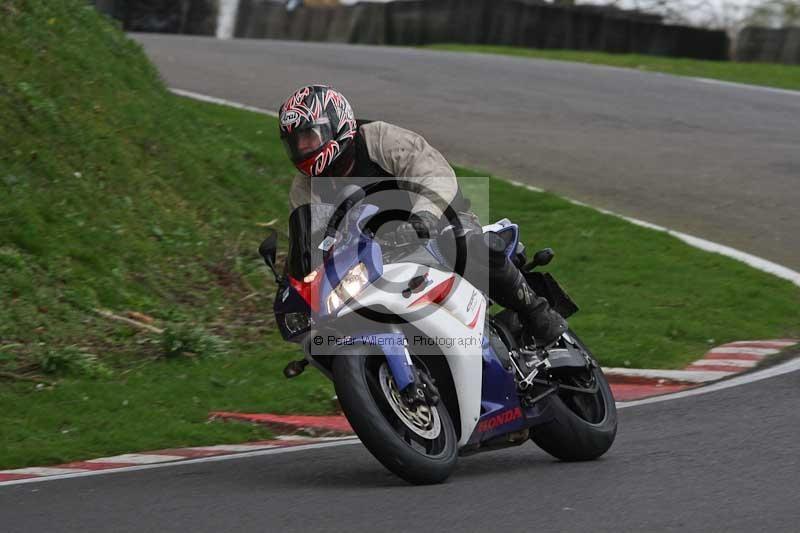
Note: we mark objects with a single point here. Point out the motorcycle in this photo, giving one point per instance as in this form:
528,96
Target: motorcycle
422,370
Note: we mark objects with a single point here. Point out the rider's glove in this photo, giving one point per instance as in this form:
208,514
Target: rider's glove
423,225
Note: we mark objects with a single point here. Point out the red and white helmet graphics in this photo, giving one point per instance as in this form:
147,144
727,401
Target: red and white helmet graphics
317,106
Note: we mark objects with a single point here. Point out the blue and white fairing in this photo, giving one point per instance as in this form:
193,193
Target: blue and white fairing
352,248
501,411
448,310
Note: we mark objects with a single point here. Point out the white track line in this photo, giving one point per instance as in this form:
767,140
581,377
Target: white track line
771,372
235,448
300,437
741,350
754,261
44,471
766,344
789,366
777,370
221,101
78,473
689,376
744,363
137,458
530,187
733,84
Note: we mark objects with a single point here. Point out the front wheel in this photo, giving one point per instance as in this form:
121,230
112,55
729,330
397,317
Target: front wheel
584,424
419,444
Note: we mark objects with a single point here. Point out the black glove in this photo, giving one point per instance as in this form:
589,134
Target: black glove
423,225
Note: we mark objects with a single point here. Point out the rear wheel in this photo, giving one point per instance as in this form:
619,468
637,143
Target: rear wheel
418,444
584,424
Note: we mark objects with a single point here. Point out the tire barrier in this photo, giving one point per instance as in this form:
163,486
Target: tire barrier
771,45
195,17
415,22
504,22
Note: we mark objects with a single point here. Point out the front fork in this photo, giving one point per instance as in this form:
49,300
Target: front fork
415,386
394,348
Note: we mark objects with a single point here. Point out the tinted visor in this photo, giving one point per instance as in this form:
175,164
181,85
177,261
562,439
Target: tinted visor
303,143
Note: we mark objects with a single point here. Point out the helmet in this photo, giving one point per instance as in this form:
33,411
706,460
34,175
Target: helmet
318,129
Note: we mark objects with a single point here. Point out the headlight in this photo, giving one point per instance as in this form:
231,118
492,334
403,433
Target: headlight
296,322
352,283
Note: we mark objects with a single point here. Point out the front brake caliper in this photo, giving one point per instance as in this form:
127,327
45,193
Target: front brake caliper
421,392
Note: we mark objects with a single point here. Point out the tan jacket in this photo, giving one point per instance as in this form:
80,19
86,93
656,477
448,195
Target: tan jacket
405,155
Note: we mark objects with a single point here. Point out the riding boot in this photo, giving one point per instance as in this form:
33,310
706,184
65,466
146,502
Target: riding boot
507,287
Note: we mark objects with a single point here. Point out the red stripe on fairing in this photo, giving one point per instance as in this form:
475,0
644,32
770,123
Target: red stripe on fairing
474,322
308,291
437,294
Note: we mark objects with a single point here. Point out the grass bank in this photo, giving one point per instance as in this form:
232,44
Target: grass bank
118,195
766,74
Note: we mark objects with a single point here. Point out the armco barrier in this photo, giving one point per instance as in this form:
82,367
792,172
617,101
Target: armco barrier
406,24
318,27
503,22
198,17
341,26
766,44
299,22
371,26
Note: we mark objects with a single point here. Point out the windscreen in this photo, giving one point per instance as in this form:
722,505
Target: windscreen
307,225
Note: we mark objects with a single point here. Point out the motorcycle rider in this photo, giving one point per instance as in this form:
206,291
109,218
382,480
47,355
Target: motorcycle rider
323,139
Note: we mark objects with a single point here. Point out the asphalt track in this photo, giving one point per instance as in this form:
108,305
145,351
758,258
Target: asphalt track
723,461
718,161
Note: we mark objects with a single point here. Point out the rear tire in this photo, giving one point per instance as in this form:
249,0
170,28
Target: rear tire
584,426
405,453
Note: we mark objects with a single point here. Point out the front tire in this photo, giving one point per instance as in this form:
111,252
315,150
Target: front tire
419,446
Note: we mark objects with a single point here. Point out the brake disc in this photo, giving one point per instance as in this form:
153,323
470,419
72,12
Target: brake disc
423,419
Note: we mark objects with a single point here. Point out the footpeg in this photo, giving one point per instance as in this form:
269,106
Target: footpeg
295,368
534,365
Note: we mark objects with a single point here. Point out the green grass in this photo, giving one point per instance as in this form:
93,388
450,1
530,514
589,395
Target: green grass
767,74
647,299
116,194
152,406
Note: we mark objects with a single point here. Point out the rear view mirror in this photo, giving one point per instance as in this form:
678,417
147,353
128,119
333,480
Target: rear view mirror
541,258
269,250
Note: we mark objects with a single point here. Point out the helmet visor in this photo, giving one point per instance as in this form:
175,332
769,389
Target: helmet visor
303,143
